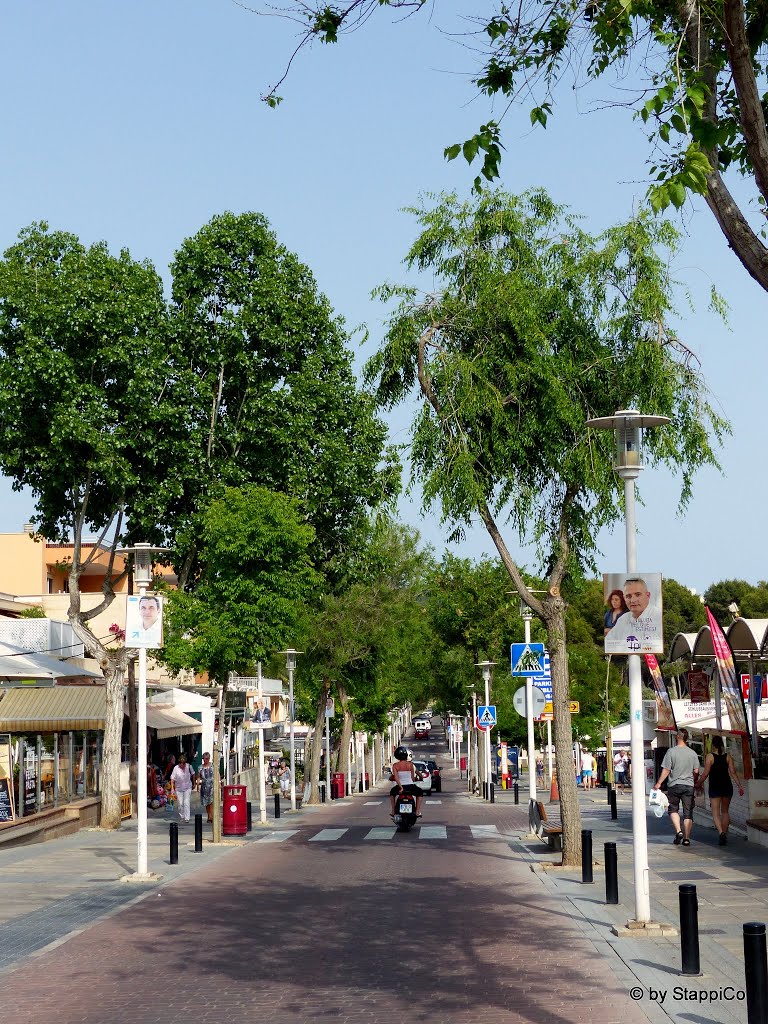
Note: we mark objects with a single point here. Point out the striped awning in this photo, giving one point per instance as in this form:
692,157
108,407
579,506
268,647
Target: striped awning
53,709
168,721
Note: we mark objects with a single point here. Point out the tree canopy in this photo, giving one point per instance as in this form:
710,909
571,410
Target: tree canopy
695,75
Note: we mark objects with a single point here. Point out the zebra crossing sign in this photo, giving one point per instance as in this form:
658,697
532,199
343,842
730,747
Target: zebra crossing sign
528,660
486,716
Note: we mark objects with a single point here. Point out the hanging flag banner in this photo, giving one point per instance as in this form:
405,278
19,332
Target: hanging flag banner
665,720
726,671
144,621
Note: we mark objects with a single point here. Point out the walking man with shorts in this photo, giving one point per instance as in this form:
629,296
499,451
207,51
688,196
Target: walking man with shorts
681,767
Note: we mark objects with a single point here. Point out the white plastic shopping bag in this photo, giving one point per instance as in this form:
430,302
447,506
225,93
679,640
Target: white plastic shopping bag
658,802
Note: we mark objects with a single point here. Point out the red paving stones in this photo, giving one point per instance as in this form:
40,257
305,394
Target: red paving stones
354,931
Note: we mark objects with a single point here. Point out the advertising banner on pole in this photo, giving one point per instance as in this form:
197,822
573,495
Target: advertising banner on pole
632,623
144,621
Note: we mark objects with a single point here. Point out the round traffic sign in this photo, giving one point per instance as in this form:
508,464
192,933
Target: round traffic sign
539,701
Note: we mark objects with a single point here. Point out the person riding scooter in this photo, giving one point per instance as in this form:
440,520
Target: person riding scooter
404,777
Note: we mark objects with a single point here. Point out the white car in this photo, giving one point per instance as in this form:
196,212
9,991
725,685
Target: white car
423,776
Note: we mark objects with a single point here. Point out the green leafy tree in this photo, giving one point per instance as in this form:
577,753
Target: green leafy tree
255,577
537,327
684,611
695,76
272,397
751,599
82,389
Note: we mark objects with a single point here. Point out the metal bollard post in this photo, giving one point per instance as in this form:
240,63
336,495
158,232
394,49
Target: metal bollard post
611,874
199,833
516,788
586,856
689,930
493,794
756,972
322,792
360,784
277,805
608,791
614,812
173,834
248,816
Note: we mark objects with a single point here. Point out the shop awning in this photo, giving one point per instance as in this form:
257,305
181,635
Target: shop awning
168,721
53,709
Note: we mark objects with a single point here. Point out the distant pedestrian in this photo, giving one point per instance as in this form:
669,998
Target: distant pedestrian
586,768
720,769
182,778
619,767
540,773
681,767
205,778
170,764
284,775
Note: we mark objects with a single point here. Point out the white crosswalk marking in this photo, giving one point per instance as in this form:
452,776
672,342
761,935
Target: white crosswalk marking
278,837
485,832
328,835
434,801
433,832
380,833
373,803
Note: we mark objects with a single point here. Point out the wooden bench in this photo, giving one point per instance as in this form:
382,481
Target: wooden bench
550,832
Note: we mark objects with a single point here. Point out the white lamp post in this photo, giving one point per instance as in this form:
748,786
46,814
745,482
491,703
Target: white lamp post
142,575
486,667
290,661
627,425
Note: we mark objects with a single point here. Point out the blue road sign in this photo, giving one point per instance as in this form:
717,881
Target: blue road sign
528,659
544,681
486,716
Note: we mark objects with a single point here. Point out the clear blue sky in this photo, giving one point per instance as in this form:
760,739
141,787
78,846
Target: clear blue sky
135,123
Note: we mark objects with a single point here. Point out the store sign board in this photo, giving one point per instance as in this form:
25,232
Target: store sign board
6,778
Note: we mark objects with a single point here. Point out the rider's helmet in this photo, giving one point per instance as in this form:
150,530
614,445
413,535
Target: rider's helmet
401,754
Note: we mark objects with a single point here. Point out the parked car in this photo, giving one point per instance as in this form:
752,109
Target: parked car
422,734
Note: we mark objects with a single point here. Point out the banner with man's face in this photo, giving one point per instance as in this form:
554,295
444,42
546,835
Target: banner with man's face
632,622
144,621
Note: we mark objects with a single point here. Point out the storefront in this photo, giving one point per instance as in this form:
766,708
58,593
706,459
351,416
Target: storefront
55,735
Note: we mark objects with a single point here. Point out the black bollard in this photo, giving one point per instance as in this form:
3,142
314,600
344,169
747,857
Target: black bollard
516,789
199,833
614,812
611,874
361,784
248,816
689,930
586,856
756,972
608,791
173,832
493,794
277,805
322,792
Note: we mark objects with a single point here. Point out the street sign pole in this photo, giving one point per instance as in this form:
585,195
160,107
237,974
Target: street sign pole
529,717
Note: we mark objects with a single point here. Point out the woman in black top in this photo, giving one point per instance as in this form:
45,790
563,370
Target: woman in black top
720,768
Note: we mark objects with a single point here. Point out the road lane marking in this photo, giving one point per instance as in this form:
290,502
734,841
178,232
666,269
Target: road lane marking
433,832
328,835
380,833
373,803
278,837
485,832
434,801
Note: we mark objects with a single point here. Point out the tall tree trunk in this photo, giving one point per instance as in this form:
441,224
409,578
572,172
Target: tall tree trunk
113,726
346,730
566,775
312,776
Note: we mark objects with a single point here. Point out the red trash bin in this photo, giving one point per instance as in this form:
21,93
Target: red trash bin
235,822
338,785
462,764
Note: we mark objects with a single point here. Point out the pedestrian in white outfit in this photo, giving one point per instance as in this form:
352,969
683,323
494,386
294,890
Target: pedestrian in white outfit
182,778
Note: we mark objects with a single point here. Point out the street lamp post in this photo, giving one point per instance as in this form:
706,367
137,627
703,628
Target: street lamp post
627,425
486,667
290,661
142,575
